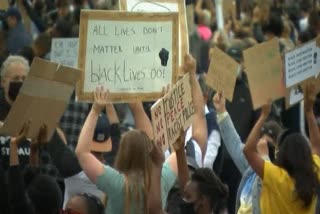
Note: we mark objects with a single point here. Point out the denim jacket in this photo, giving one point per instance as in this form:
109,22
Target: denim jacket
234,146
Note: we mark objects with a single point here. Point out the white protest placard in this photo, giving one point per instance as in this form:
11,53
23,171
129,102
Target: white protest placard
172,113
133,55
65,51
164,6
302,63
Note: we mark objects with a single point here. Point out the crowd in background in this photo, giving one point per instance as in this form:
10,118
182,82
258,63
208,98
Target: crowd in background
101,158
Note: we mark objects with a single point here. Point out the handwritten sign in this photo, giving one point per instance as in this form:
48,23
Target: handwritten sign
302,63
164,6
4,4
172,113
65,51
133,55
264,70
43,98
222,74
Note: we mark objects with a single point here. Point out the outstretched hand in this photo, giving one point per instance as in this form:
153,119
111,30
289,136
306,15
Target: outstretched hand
190,64
43,134
266,109
23,133
101,98
219,102
179,144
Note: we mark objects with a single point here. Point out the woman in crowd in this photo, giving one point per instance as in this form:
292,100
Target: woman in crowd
249,190
290,184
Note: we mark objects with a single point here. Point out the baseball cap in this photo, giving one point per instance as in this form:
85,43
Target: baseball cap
101,141
13,11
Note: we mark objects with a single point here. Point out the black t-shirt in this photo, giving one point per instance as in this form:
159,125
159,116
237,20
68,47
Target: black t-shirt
23,152
190,2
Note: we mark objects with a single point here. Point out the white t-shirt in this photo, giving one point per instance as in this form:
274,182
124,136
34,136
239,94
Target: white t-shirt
78,184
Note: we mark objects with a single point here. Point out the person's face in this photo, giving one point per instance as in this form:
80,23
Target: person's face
16,73
12,21
77,204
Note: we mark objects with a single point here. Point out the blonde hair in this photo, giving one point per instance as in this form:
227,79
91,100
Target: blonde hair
134,161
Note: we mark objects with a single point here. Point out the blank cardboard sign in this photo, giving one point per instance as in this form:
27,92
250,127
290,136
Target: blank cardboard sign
4,4
42,99
263,65
222,74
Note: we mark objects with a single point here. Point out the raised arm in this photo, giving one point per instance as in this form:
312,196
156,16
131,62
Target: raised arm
231,138
314,133
199,123
141,118
115,133
155,201
92,167
250,149
34,147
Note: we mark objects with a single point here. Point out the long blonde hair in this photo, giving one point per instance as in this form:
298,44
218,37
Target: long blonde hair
134,161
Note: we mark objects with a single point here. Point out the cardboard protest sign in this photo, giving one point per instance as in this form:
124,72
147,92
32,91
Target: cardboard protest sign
42,99
222,74
172,113
302,63
133,55
295,94
229,8
4,4
65,51
263,65
164,6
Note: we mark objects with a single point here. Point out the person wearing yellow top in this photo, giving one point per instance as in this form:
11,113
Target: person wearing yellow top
290,185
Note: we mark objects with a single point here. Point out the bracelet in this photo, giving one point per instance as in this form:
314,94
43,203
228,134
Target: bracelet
222,116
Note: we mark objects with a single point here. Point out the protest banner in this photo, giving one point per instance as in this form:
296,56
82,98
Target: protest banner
4,4
263,65
42,99
65,51
222,74
164,6
172,112
302,63
133,55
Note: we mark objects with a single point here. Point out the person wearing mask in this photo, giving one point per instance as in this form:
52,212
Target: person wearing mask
290,185
17,37
13,72
248,195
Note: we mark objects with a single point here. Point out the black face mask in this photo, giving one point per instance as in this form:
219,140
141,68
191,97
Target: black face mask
187,207
14,88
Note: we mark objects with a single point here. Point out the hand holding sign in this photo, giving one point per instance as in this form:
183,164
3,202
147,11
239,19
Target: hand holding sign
219,102
190,64
101,97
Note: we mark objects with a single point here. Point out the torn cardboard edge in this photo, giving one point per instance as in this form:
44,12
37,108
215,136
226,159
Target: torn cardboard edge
43,98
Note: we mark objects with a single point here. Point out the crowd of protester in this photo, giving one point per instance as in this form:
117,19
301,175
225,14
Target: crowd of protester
102,158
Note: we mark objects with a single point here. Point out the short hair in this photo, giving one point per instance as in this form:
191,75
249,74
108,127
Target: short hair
274,25
12,60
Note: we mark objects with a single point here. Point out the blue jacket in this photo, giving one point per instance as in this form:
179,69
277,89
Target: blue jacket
234,147
18,38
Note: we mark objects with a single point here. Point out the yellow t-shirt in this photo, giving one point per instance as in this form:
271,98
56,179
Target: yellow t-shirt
277,195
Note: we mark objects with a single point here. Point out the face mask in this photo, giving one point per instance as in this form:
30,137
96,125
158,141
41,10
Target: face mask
187,208
14,88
